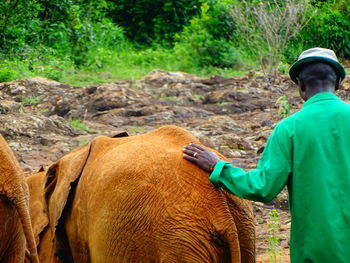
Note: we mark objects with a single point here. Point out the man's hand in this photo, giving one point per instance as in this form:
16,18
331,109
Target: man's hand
203,158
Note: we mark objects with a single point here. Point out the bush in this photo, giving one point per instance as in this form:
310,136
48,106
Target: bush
69,27
18,22
329,28
207,40
265,27
148,21
104,36
7,74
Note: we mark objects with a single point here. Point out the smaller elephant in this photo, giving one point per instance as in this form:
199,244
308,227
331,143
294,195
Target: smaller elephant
135,199
40,220
17,242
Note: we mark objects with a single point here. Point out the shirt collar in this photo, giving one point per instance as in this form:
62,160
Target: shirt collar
321,96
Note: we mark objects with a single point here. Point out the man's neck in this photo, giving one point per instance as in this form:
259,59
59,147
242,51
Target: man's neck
311,92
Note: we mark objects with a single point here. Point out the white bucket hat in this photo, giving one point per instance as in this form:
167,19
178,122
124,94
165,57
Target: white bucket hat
316,55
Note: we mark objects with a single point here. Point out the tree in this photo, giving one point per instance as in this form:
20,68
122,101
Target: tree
266,27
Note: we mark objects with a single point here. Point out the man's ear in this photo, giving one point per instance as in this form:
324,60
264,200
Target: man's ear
301,84
337,83
301,88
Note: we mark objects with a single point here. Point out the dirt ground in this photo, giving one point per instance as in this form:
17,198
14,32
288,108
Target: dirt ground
233,115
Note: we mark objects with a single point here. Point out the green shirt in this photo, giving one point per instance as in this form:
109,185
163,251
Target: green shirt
310,153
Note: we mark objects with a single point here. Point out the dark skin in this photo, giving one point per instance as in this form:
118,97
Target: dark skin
306,92
205,159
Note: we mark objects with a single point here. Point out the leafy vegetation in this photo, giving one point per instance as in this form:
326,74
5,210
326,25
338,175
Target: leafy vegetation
284,108
78,125
31,101
267,27
157,21
328,28
208,39
274,224
92,41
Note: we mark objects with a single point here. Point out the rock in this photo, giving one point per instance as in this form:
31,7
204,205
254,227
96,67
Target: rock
62,107
233,115
7,106
227,151
33,126
17,89
158,78
267,123
111,96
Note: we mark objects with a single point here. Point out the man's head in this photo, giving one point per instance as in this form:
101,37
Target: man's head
317,70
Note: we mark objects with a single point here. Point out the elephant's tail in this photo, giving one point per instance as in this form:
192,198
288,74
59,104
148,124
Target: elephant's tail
15,188
21,206
22,209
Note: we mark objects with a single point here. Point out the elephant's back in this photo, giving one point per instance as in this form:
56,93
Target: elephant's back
150,163
137,196
137,188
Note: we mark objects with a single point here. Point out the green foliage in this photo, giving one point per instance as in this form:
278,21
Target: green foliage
284,108
273,239
68,28
21,110
329,28
208,39
147,21
40,62
92,41
18,20
7,74
265,27
31,101
78,125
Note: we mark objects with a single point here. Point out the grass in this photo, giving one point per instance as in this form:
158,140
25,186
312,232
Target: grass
137,129
223,103
274,224
78,125
103,66
31,101
197,96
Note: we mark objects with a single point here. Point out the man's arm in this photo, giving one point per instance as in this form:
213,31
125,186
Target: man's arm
261,184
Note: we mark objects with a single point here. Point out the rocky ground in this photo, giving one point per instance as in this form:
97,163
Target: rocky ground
233,115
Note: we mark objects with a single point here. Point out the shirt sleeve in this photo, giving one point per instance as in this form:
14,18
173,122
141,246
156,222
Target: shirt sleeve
268,179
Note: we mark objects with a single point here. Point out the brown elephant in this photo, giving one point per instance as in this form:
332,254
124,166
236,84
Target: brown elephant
135,199
16,235
39,218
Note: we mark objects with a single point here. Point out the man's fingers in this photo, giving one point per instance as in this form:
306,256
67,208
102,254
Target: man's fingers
192,149
198,147
189,152
190,158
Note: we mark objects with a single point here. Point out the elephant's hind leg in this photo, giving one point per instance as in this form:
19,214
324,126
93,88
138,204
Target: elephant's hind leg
12,240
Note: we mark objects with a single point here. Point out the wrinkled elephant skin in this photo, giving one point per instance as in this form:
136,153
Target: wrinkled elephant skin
16,234
40,221
135,199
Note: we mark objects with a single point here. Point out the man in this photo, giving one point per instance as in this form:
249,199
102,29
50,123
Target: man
310,153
